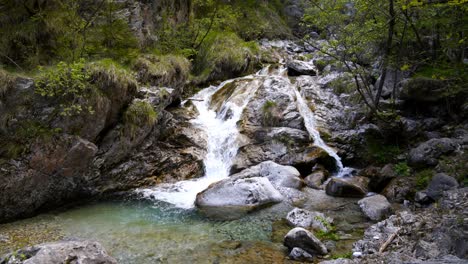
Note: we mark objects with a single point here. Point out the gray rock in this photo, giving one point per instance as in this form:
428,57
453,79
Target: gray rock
279,175
399,189
304,239
308,219
82,252
232,198
297,68
300,255
427,153
347,187
440,182
375,207
422,198
316,179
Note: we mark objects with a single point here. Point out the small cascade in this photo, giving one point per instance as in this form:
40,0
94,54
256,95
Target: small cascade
310,124
222,141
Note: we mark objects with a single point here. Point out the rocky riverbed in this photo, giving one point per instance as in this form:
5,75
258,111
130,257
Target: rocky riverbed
273,167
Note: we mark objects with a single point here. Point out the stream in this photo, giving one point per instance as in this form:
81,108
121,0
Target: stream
164,226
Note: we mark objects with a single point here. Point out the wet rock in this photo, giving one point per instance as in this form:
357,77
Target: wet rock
440,182
304,158
297,68
316,179
278,175
234,197
84,252
308,219
301,238
399,189
427,153
347,187
375,207
300,255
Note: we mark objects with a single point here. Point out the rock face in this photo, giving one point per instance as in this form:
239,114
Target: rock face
303,239
307,219
347,187
83,252
440,182
234,197
375,207
427,153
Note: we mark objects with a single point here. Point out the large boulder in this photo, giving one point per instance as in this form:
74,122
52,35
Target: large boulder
82,252
440,182
427,153
347,187
375,207
234,197
279,175
297,68
399,189
423,89
304,239
309,219
315,180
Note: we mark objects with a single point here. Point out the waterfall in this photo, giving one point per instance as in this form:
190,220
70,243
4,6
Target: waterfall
310,124
222,142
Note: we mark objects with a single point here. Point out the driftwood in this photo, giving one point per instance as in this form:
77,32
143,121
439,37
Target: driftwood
389,240
195,99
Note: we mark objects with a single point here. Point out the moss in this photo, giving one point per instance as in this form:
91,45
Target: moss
347,255
224,56
138,114
108,76
423,178
163,70
456,166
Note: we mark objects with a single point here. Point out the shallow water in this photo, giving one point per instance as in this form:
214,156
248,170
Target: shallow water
142,231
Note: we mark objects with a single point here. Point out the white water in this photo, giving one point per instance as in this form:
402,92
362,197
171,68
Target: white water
222,142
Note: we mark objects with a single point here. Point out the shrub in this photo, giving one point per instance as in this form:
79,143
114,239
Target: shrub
139,113
69,84
6,82
402,169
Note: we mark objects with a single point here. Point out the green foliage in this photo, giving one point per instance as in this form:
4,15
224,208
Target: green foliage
111,78
330,234
69,84
347,255
224,55
138,114
422,178
402,169
381,153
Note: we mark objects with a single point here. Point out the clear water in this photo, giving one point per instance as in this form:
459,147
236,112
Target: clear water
144,232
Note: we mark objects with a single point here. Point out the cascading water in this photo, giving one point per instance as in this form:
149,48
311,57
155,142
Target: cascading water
222,142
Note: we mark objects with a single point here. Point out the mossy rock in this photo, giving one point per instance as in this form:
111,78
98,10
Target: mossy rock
423,89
